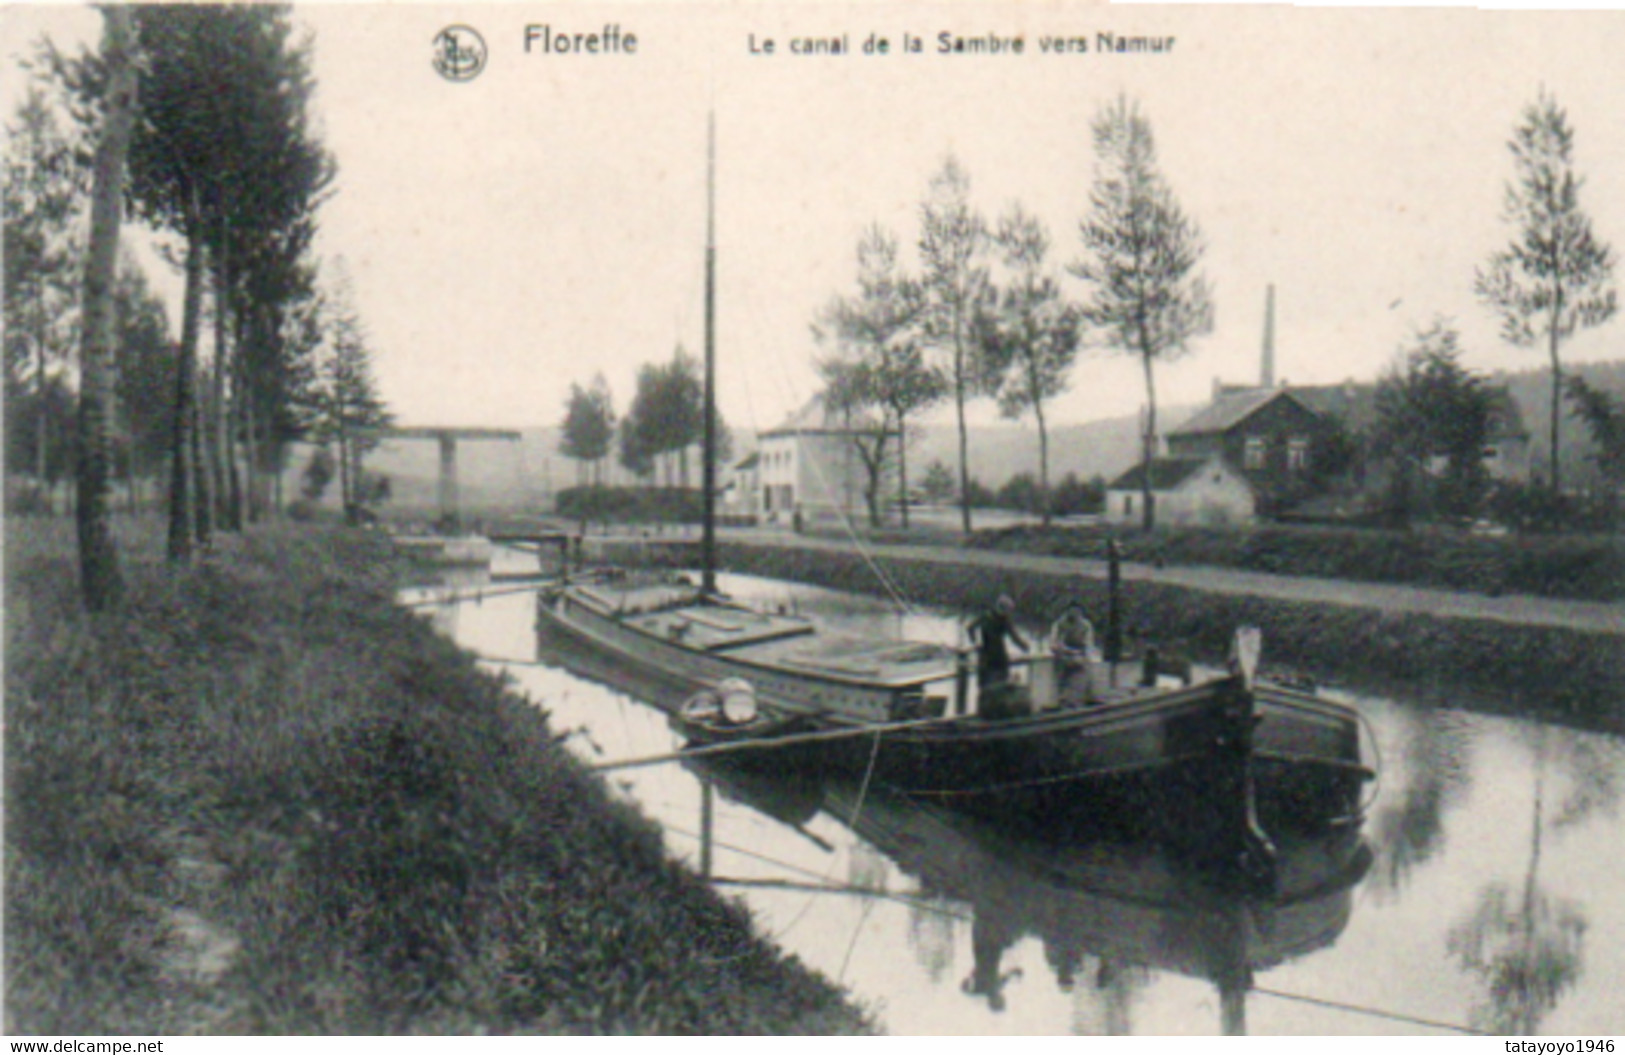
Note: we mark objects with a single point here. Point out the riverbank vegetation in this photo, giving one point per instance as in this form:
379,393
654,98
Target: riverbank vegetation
260,797
1586,567
1567,676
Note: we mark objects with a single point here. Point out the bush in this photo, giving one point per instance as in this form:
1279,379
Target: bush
979,497
1534,508
630,505
1073,497
1020,493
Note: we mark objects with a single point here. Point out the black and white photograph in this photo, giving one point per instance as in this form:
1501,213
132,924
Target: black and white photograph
904,519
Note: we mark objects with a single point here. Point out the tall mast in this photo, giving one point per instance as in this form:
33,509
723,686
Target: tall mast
708,483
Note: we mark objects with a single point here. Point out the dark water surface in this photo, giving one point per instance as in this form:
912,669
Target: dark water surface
1494,896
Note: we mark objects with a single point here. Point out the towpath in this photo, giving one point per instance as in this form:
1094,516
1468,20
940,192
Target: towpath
1516,609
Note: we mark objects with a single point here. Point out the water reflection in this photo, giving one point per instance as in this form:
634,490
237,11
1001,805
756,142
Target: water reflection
1596,770
1525,949
1105,914
1481,907
1427,756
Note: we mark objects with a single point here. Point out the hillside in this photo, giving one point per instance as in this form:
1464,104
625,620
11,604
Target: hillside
492,474
1532,391
499,475
998,452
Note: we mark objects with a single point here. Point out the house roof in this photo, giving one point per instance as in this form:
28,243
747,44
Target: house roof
1354,404
750,461
1231,409
811,416
1166,474
814,418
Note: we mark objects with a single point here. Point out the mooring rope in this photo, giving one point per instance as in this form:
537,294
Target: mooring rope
1373,1012
770,743
478,596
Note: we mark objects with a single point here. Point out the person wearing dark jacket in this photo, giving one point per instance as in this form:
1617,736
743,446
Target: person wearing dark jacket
988,633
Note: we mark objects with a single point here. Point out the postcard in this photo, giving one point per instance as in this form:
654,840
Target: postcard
1031,351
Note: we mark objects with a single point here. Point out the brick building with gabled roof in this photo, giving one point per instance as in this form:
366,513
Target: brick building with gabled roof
1274,438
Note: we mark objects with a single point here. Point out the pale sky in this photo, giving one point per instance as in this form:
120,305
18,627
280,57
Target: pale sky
545,221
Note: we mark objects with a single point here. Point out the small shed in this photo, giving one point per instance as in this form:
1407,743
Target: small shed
1196,490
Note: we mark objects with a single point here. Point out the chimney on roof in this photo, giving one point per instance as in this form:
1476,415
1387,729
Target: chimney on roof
1266,377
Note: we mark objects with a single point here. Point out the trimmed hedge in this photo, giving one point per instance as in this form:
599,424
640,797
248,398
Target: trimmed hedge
1590,568
630,505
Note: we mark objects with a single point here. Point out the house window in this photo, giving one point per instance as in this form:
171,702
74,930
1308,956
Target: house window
1253,456
1128,505
1297,454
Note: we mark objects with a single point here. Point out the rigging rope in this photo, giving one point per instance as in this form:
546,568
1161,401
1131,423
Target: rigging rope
863,788
852,945
787,387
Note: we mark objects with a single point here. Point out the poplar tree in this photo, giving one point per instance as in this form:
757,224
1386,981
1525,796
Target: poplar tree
352,413
1556,275
44,193
145,376
224,159
100,581
880,364
589,427
952,239
1033,336
1146,297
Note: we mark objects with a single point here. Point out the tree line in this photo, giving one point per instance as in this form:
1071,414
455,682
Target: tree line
985,315
194,120
1434,416
663,423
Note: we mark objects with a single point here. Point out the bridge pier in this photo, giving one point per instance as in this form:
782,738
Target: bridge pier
450,510
451,519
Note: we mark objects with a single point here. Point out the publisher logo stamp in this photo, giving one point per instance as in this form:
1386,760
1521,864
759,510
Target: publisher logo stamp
459,53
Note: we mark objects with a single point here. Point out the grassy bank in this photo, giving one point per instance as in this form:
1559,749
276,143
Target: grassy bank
1566,675
1582,568
261,798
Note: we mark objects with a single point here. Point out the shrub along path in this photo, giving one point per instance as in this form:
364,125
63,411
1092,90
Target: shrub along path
1515,609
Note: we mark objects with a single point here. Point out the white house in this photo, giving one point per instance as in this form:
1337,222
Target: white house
1199,490
811,464
738,501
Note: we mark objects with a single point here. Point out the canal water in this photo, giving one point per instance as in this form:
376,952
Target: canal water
1489,894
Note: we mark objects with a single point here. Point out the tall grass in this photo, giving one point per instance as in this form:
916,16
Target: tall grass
262,798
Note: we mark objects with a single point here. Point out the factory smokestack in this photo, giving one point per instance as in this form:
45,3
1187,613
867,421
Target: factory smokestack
1267,371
